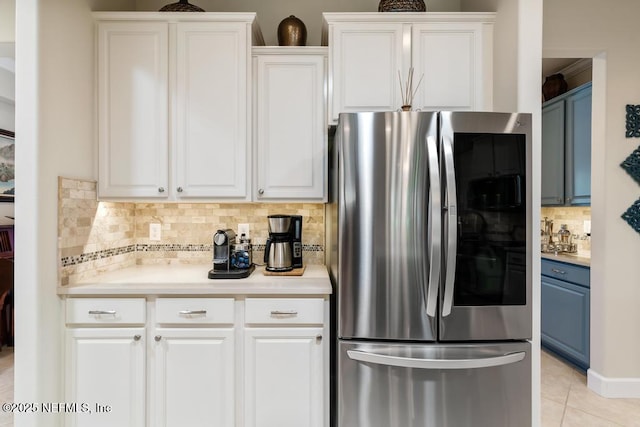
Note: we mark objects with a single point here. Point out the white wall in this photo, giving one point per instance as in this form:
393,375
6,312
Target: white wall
54,88
609,31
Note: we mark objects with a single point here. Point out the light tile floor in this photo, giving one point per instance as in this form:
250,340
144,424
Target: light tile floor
567,402
6,384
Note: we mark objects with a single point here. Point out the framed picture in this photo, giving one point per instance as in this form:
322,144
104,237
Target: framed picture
7,165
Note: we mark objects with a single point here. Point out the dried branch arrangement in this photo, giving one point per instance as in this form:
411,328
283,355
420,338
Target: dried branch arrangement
408,92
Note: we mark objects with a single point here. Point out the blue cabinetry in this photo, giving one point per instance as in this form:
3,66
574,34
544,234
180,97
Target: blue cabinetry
566,149
565,311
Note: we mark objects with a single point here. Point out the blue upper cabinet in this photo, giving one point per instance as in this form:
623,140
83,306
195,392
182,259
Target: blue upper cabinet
566,149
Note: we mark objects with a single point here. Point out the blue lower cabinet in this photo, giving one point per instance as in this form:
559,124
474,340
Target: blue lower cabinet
565,317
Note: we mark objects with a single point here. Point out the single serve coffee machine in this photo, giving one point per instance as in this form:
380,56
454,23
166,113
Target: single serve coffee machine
283,251
231,260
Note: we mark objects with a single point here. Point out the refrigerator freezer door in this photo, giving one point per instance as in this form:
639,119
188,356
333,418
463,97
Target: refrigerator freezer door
388,225
490,248
434,385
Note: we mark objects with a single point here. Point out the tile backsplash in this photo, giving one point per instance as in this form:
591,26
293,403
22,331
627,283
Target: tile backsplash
574,217
97,236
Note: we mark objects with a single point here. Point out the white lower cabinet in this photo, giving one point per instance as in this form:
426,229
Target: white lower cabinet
193,377
105,363
105,377
285,366
173,362
284,377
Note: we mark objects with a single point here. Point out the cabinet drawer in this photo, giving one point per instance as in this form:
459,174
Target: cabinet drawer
105,311
567,272
195,310
284,311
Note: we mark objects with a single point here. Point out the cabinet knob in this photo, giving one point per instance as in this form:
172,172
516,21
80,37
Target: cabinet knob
137,337
318,339
261,191
161,190
179,189
157,337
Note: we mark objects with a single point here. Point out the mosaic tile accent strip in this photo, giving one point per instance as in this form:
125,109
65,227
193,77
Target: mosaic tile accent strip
94,256
633,121
173,247
632,165
632,216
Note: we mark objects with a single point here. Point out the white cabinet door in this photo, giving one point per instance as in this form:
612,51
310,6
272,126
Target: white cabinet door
211,112
370,54
290,131
284,372
194,376
454,61
133,109
105,377
364,61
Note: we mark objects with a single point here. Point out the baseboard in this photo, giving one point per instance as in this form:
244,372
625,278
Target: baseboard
613,387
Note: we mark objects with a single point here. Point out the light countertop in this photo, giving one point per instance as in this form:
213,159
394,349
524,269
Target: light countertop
148,280
576,259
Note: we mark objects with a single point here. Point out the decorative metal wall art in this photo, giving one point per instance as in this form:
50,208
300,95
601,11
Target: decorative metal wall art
633,121
632,216
632,165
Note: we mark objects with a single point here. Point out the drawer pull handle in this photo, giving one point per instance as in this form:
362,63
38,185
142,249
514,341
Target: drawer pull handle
284,313
137,337
555,270
192,312
99,312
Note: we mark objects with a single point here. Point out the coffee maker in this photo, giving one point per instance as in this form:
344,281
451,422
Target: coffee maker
222,241
278,250
296,240
231,260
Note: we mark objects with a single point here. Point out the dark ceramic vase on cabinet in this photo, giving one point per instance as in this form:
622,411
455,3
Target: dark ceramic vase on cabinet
402,6
292,32
553,86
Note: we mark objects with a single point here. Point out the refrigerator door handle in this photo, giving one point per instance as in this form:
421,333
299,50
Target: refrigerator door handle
452,224
435,231
409,362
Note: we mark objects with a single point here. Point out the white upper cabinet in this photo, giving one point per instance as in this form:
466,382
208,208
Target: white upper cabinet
364,61
455,62
133,142
174,116
212,106
370,53
290,127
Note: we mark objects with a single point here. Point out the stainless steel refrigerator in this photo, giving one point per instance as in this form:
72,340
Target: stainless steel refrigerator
429,226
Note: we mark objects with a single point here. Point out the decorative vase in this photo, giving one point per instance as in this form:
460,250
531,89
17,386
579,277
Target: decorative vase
292,32
553,86
402,6
181,6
